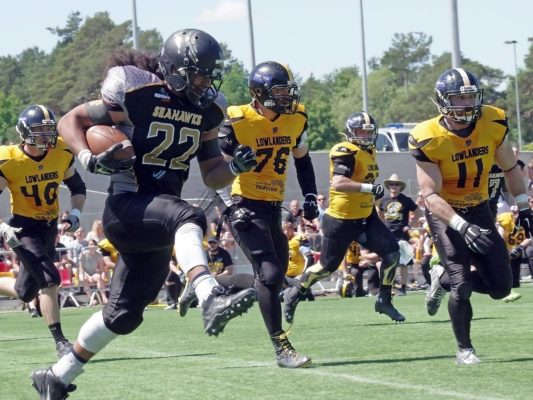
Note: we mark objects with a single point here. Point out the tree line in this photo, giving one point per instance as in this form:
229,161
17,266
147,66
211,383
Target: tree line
400,83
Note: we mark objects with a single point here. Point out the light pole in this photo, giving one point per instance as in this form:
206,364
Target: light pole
251,27
454,22
134,26
363,54
514,42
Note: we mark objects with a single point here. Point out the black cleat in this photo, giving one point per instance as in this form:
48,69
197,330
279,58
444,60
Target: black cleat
50,386
286,356
291,298
188,296
63,348
219,309
384,306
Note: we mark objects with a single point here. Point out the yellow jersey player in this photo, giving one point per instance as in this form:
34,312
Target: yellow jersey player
517,245
352,216
454,153
274,126
33,171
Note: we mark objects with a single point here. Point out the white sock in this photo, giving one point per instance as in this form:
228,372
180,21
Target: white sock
189,248
68,368
94,335
203,286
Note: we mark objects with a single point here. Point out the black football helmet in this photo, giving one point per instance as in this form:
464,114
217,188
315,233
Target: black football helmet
35,123
189,53
458,82
272,85
364,121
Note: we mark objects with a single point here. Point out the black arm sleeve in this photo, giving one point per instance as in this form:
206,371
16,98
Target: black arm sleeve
306,174
226,139
75,184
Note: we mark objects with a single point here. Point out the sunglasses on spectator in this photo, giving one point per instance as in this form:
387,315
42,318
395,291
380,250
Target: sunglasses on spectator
394,184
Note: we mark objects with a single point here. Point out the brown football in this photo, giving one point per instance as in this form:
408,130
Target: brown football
102,137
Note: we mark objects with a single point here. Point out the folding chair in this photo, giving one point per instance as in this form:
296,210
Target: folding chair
67,288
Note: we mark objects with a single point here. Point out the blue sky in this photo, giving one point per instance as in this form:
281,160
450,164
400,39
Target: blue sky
311,36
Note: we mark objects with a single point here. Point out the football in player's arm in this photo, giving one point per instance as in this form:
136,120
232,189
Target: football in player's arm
172,120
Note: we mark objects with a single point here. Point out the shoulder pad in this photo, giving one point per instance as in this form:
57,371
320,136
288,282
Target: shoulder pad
222,103
235,112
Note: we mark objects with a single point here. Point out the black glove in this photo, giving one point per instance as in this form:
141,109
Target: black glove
104,163
476,238
524,220
240,218
73,221
378,191
516,253
243,160
310,207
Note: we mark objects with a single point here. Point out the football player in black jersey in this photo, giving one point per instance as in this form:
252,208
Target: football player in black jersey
173,121
274,125
33,171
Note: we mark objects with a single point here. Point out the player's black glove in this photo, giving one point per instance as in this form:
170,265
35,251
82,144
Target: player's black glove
104,163
524,220
243,160
378,191
476,238
310,207
516,253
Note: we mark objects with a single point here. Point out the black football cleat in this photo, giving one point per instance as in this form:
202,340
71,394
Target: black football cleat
286,356
63,348
291,298
188,296
384,306
50,386
219,308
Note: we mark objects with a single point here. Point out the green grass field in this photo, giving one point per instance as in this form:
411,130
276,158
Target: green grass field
356,353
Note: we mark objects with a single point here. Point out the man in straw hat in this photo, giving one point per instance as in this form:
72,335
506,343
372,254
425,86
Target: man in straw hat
394,211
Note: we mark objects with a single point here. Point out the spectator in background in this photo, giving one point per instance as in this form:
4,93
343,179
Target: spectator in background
219,260
322,201
96,232
92,271
295,215
227,242
173,284
77,245
394,211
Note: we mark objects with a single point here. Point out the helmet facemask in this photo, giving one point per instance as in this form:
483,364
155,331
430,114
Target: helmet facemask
460,113
361,123
192,65
41,135
282,99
